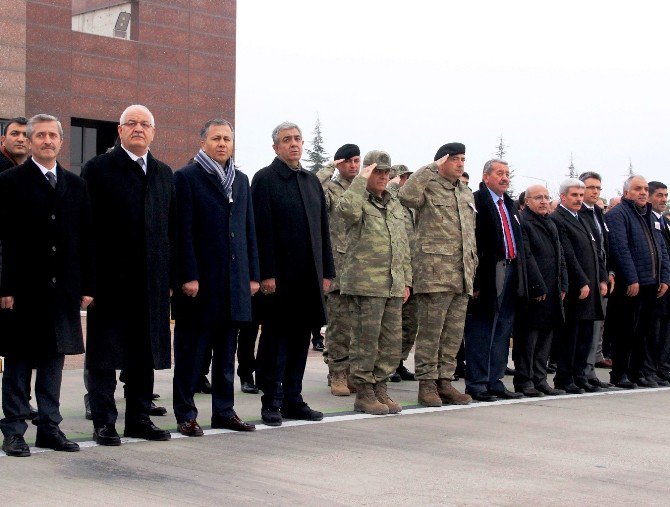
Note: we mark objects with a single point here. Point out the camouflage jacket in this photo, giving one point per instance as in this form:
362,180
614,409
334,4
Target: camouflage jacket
334,189
445,248
377,261
409,218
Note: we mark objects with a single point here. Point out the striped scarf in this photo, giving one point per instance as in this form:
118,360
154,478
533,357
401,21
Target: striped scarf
226,175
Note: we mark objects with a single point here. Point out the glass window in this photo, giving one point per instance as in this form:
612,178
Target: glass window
109,18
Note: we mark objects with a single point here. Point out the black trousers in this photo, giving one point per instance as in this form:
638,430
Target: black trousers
281,360
576,342
530,355
16,392
192,340
246,350
632,327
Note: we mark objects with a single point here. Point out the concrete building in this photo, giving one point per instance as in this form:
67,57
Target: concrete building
86,60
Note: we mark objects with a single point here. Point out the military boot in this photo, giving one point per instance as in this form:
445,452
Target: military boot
367,402
382,395
449,394
428,396
338,383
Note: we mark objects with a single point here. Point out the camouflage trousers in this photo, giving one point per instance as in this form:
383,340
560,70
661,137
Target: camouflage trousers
410,325
374,351
441,321
338,332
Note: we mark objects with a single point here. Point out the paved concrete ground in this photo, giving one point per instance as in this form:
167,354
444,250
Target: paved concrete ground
589,450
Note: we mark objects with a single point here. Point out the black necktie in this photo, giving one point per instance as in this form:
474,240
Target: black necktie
52,179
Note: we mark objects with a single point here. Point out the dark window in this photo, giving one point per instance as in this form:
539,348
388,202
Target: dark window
108,18
88,139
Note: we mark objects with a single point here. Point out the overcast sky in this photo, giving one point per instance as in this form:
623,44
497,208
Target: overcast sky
591,78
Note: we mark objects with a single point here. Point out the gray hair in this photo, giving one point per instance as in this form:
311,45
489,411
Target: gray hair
626,184
122,120
568,184
488,167
218,122
285,125
590,175
41,118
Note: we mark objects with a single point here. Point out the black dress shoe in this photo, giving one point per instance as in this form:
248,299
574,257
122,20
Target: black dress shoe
248,386
645,382
404,373
106,435
155,410
549,391
15,445
599,383
271,416
483,396
33,413
301,412
570,388
395,377
204,386
661,382
587,386
506,394
56,441
663,375
190,429
624,383
318,345
231,422
529,392
147,430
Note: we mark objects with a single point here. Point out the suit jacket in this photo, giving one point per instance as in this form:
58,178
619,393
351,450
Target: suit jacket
293,242
491,249
663,304
584,264
47,261
132,220
601,234
216,245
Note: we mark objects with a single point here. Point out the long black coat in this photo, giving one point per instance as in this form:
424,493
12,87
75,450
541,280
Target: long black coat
544,272
216,245
293,242
47,261
602,236
132,220
585,267
491,249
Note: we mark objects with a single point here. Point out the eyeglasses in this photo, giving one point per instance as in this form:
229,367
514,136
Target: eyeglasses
540,198
594,187
132,124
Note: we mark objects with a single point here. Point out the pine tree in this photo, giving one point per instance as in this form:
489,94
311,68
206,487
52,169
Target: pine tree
630,168
501,151
572,172
317,156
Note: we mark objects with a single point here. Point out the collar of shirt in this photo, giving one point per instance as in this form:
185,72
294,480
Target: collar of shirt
587,206
658,215
573,213
135,158
44,169
495,196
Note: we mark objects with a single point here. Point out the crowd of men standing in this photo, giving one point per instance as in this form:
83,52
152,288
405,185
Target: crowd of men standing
391,259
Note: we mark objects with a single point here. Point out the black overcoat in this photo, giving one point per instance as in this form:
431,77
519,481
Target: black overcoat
216,245
544,272
293,242
47,260
584,264
132,221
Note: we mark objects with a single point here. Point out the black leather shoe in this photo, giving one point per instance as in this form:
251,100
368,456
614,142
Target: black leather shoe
395,377
271,416
599,383
663,375
204,386
570,388
587,386
56,441
624,383
645,382
15,445
301,412
156,410
506,394
318,345
147,430
483,396
106,435
248,386
549,391
529,392
404,373
231,423
33,413
661,382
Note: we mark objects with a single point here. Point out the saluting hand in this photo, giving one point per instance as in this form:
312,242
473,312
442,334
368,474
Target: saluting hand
367,171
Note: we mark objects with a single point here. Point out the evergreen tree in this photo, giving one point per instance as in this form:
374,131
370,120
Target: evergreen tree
317,156
572,172
630,168
501,151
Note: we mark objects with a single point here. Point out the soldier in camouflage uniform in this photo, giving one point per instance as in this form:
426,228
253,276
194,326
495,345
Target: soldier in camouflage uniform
399,175
336,351
444,264
376,277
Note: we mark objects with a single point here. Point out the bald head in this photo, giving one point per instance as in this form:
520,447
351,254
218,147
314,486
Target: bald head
538,200
636,189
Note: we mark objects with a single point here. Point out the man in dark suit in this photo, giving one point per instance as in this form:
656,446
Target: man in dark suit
217,273
47,276
296,265
129,325
587,281
539,312
490,316
14,146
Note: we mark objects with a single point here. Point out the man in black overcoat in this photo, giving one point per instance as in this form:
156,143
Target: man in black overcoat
587,281
47,275
128,327
217,273
539,313
296,265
